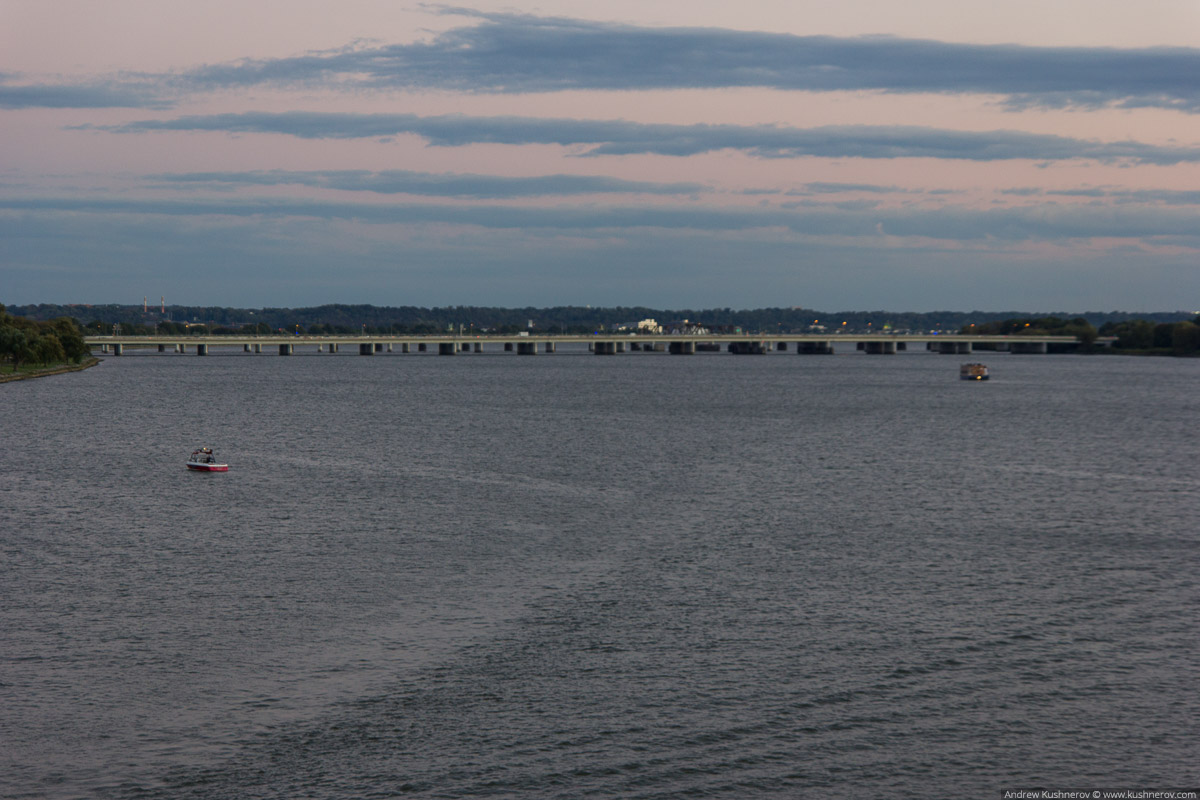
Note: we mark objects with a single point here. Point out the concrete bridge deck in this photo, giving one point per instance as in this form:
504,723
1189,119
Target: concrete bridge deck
601,344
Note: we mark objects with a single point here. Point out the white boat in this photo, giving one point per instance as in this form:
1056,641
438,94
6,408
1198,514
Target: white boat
203,460
973,372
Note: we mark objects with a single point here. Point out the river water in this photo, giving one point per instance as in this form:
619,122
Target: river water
568,576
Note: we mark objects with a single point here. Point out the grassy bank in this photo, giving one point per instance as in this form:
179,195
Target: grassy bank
42,370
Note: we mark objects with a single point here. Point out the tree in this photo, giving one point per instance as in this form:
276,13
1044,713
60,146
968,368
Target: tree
70,338
1081,329
1136,334
47,349
15,345
1185,338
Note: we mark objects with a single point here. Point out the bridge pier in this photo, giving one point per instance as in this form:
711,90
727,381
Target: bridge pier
954,348
814,348
286,349
605,348
365,349
1027,348
748,348
422,347
550,347
201,349
258,348
527,348
404,348
683,348
478,347
508,347
117,349
447,348
378,347
781,347
880,348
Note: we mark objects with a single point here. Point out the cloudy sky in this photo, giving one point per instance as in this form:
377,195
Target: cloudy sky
860,154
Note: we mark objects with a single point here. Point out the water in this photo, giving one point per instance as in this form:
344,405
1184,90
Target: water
640,576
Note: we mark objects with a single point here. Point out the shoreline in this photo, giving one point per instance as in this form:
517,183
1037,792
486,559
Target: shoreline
61,369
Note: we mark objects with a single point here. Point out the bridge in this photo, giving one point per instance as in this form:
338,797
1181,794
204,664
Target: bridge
600,343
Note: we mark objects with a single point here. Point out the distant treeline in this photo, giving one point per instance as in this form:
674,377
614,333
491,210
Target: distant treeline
558,319
1078,327
1180,337
27,341
1177,338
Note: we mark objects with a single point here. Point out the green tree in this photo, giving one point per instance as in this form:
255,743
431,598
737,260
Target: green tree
15,345
1082,330
1135,334
70,338
1185,338
47,349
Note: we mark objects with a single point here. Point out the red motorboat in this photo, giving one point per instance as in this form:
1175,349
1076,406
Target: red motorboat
203,460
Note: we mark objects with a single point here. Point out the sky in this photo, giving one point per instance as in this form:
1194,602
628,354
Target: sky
828,154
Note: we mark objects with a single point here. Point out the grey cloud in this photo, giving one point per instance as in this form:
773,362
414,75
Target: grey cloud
113,95
1080,193
1012,225
822,187
1168,197
1142,196
618,137
435,185
517,53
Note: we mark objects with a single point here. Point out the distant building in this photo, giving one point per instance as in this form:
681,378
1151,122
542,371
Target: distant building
687,328
648,326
